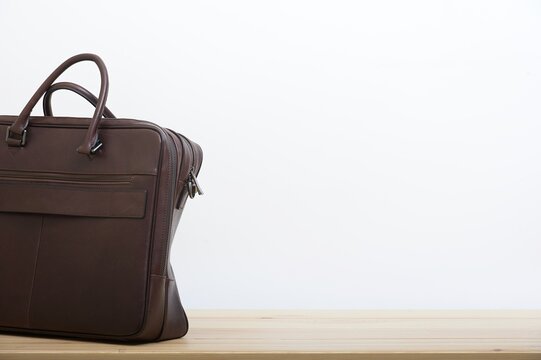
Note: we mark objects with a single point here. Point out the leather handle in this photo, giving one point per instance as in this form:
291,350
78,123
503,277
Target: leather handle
76,88
16,133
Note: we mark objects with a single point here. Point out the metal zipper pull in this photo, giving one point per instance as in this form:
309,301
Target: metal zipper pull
193,185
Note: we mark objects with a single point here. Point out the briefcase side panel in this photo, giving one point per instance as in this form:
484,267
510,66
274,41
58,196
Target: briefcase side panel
175,323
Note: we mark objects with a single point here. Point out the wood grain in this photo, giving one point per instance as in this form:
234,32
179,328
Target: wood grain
279,334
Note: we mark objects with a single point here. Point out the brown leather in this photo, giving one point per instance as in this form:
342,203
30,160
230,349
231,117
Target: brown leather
78,89
85,240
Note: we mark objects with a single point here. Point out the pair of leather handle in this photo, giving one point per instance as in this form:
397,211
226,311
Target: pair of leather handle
78,89
16,133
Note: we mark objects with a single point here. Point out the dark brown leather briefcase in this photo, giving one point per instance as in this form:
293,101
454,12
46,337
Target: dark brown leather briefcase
88,209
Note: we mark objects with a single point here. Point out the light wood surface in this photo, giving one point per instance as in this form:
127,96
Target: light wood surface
266,334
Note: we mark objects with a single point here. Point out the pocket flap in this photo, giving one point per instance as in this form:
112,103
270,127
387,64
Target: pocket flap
92,202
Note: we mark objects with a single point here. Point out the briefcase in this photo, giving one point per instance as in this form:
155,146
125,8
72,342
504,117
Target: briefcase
88,210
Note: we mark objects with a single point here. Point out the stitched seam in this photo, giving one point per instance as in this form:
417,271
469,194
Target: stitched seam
34,274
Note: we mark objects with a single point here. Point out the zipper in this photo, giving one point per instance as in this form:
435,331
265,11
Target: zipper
62,178
180,147
192,183
193,186
180,163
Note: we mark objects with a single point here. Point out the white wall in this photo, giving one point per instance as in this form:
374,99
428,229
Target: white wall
357,154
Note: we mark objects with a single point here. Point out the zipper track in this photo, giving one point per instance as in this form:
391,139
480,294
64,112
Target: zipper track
191,147
169,213
61,178
184,139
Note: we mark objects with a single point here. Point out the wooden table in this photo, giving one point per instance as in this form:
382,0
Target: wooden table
316,335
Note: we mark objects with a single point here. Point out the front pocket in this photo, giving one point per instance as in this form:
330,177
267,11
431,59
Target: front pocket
75,251
19,243
90,275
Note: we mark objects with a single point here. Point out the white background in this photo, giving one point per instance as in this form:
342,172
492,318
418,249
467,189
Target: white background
357,154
